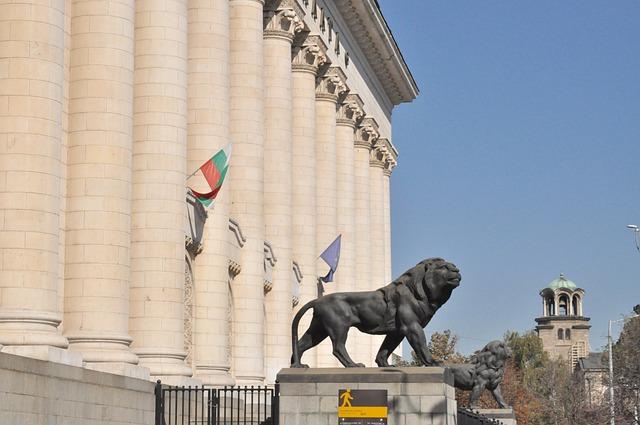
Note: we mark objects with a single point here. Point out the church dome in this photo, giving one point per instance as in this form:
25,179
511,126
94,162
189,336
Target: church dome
562,283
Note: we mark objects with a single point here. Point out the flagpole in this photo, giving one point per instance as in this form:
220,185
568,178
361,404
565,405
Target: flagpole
194,173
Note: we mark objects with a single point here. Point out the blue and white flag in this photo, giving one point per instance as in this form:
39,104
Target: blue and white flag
331,256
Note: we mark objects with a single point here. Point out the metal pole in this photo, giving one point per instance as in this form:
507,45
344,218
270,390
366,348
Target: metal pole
612,407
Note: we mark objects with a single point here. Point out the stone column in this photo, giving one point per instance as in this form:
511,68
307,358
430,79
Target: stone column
159,171
348,116
98,217
365,135
329,87
390,164
31,60
391,160
207,133
281,22
387,221
377,161
246,122
307,58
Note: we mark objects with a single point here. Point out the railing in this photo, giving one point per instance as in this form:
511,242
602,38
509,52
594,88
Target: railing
469,417
216,406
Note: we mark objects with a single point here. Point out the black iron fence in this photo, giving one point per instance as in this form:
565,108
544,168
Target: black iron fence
469,417
216,406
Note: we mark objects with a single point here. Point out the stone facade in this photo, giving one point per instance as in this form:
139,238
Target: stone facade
108,106
563,329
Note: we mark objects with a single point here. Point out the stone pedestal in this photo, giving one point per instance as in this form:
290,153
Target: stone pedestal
505,416
416,395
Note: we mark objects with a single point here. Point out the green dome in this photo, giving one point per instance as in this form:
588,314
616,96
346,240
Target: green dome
562,282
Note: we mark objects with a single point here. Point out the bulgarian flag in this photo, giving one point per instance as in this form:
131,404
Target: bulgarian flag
214,172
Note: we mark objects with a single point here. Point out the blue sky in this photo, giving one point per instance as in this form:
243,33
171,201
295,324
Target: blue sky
521,157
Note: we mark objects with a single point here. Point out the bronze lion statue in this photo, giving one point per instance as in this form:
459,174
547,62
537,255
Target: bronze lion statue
485,370
401,309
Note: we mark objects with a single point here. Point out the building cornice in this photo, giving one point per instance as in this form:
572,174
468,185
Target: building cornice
366,23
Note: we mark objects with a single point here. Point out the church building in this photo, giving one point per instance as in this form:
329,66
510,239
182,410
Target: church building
563,328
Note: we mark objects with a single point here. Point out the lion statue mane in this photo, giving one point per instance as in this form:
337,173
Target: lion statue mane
401,309
485,370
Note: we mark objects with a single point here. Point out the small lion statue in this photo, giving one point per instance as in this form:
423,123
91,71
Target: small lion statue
486,370
401,309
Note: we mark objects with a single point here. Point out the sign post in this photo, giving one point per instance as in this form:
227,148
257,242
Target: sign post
362,407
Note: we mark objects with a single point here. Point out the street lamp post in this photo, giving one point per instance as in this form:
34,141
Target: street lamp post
636,230
612,408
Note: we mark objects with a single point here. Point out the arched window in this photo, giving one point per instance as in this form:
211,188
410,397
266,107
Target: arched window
551,307
576,304
567,334
560,334
563,305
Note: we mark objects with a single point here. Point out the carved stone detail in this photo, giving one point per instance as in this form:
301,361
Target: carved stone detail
366,134
269,262
331,85
309,56
282,19
237,241
297,282
391,156
377,157
350,111
389,67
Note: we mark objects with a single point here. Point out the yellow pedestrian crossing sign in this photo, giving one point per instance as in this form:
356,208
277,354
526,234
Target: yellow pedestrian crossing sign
362,407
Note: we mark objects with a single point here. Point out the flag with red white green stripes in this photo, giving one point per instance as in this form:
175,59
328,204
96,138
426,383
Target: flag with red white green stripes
214,172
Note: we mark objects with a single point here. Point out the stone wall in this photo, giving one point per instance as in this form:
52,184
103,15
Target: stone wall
415,395
38,392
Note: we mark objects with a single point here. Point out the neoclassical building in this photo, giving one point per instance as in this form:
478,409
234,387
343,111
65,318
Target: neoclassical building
106,106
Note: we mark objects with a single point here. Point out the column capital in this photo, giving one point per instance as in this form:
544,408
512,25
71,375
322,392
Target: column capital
377,156
350,111
390,155
282,19
384,155
366,133
309,55
332,84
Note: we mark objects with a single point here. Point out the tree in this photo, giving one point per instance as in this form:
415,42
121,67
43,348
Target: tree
626,362
544,391
443,348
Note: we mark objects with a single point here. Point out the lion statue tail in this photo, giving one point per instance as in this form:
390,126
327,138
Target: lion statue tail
295,357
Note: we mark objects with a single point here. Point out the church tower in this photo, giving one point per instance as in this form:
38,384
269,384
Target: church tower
563,328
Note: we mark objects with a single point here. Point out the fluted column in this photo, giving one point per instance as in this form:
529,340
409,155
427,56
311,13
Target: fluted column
377,226
281,22
348,116
208,132
365,135
98,222
307,58
31,60
329,87
246,125
159,171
